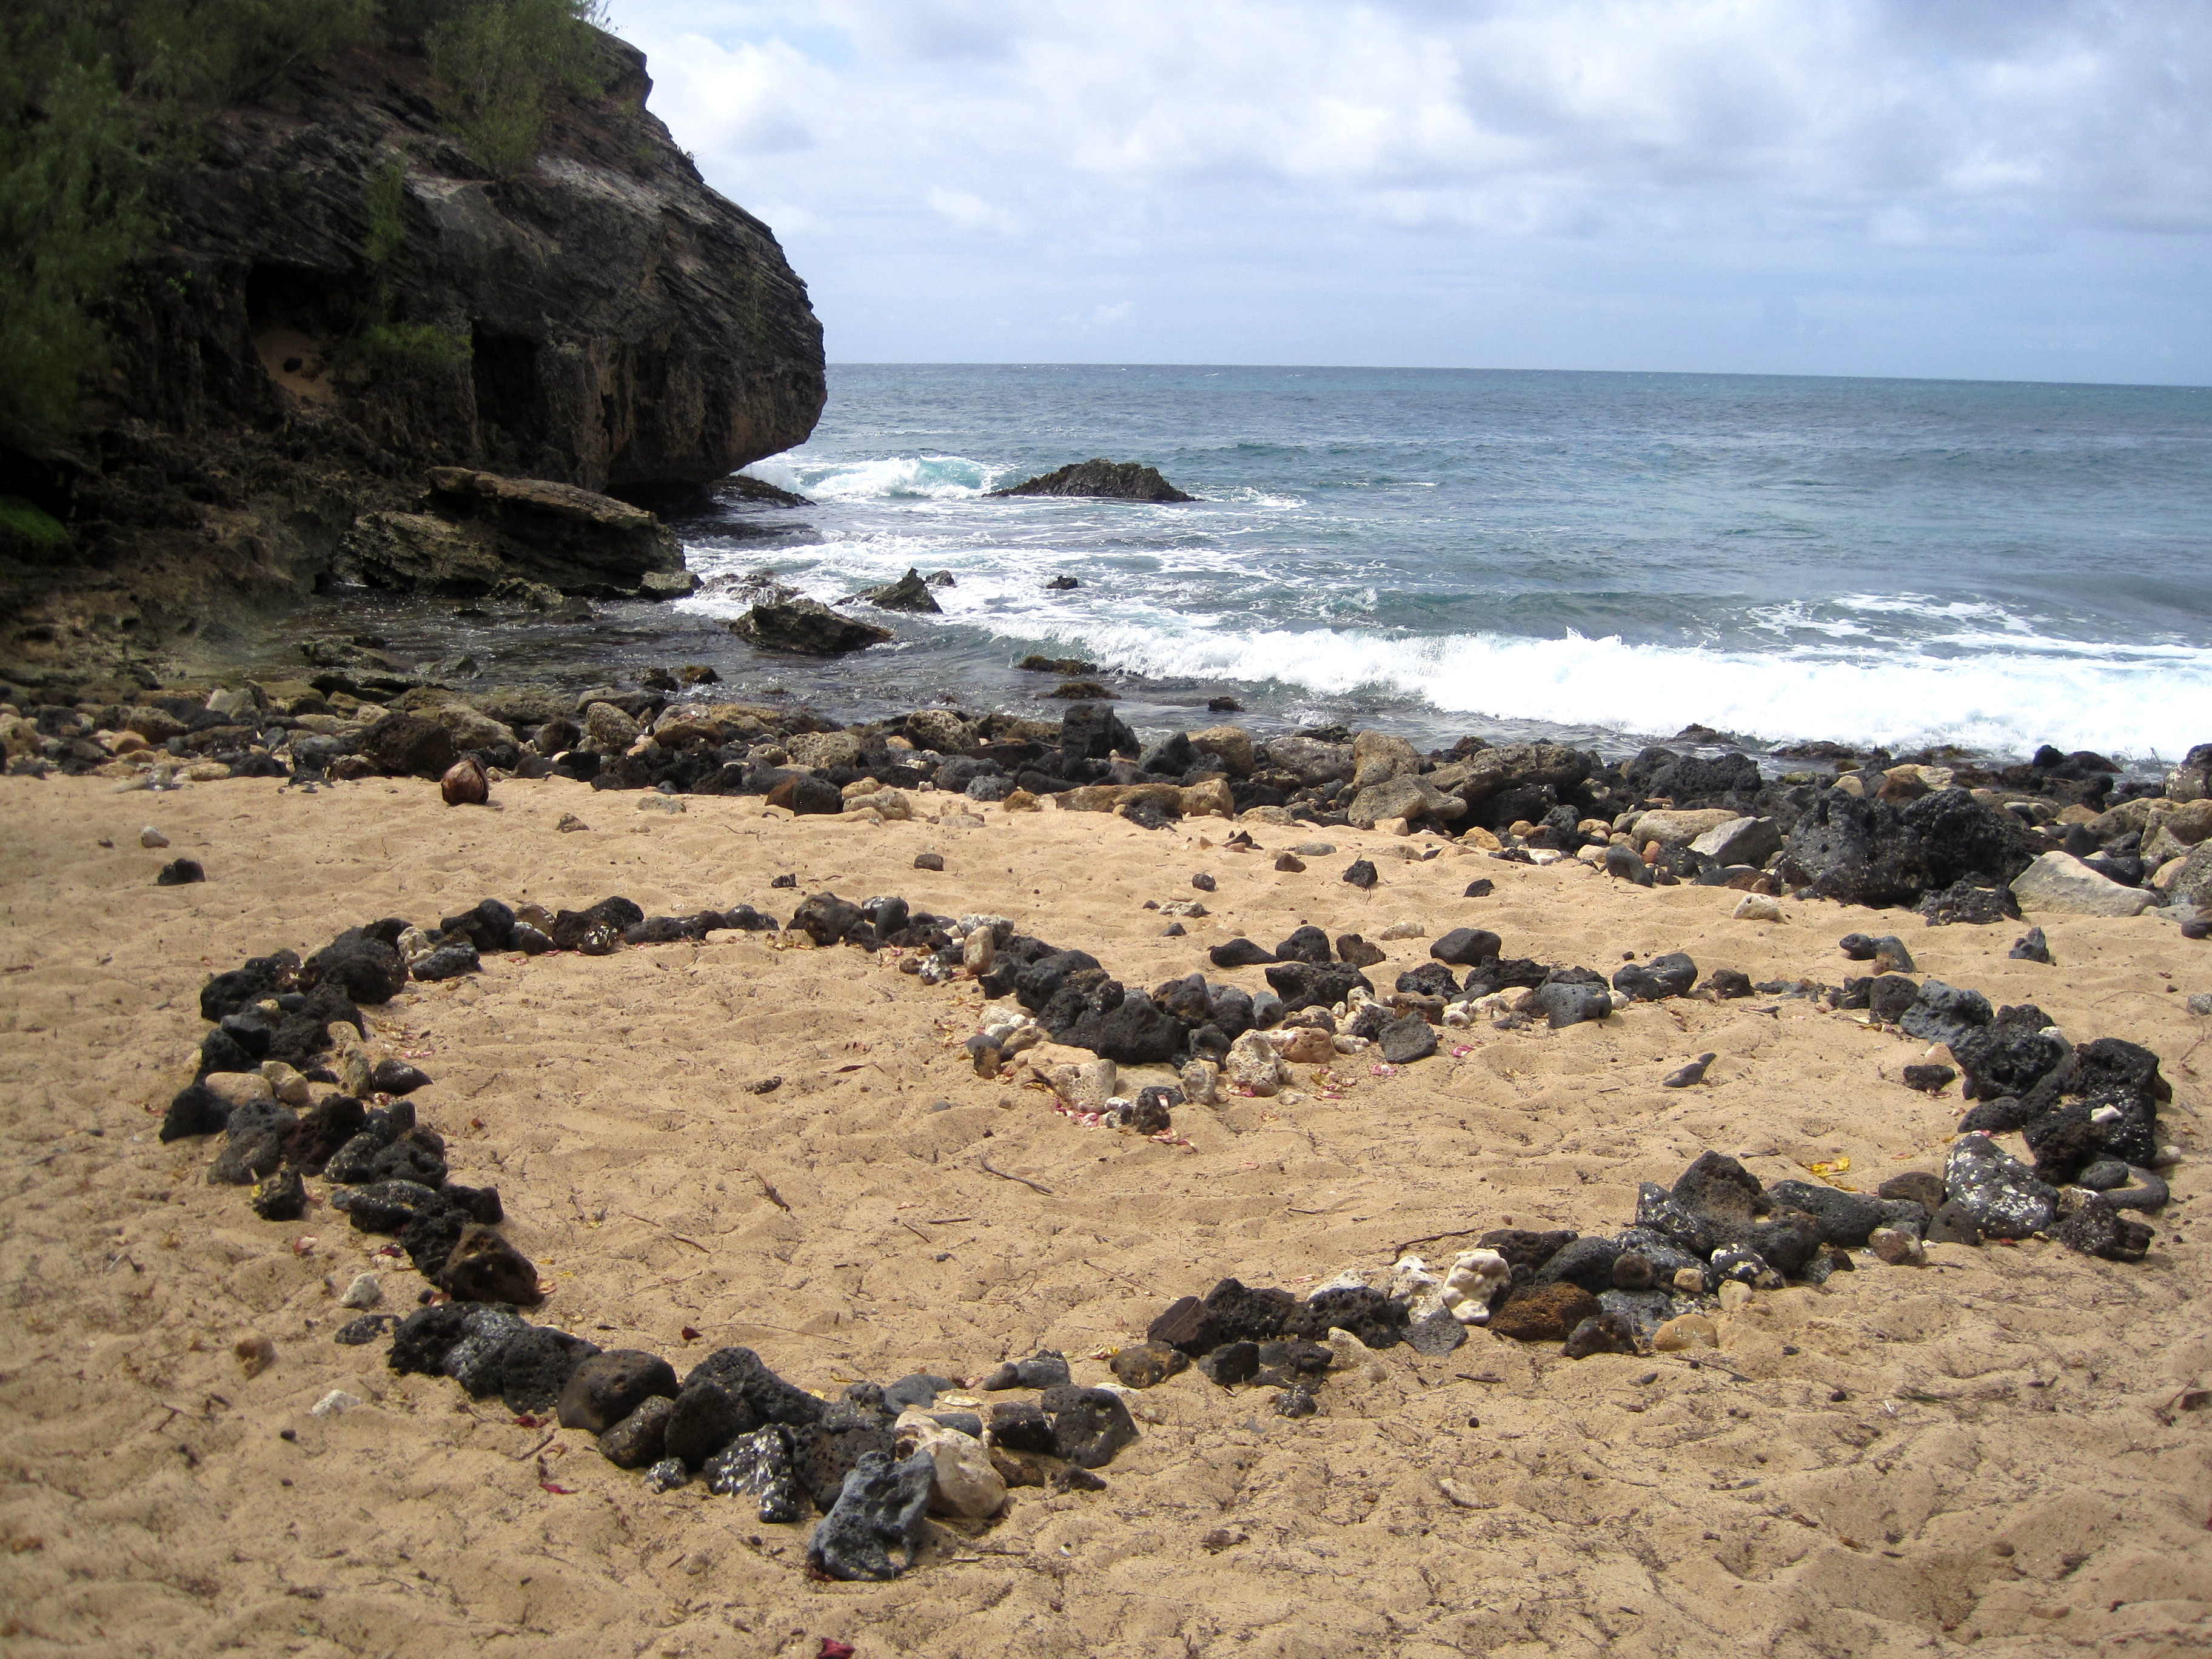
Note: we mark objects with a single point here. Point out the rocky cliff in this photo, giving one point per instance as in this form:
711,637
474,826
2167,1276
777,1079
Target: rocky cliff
345,297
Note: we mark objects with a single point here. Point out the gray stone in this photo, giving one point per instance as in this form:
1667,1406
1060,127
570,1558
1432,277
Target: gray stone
2003,1195
1740,841
2058,883
883,1506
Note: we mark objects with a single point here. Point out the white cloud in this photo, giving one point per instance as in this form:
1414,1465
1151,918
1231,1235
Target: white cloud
1211,151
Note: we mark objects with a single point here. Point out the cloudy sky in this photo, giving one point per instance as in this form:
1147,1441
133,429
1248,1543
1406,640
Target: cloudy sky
2002,189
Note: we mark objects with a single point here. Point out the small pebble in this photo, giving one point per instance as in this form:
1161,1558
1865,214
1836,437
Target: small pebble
180,873
1290,861
1480,889
570,822
1757,907
1204,883
365,1292
149,837
929,860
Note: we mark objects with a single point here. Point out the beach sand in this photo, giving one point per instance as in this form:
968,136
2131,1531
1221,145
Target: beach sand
1907,1460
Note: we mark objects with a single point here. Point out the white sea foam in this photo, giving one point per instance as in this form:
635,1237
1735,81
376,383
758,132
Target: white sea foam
2137,704
896,478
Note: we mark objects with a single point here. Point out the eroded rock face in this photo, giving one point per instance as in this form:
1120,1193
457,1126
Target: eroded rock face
599,318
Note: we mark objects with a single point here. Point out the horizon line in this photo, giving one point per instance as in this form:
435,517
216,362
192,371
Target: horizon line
1455,368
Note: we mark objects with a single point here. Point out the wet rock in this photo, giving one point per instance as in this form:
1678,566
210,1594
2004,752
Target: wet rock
1663,976
1088,1425
1360,872
639,1437
484,1267
761,1465
1548,1313
607,1387
806,627
1021,1426
2002,1196
282,1197
1147,1365
1123,481
1603,1332
2098,1229
535,1365
881,1507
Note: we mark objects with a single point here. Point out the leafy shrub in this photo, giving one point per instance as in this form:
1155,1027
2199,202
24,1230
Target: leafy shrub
410,351
21,521
504,59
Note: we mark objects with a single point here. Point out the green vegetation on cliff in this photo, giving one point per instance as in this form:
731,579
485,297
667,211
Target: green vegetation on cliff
98,96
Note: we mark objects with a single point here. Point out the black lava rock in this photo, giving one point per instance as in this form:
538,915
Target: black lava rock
2097,1229
366,968
1020,1426
881,1506
761,1465
1669,975
637,1440
2031,946
535,1366
1239,952
1466,946
1089,1425
1945,1014
827,1450
607,1387
704,1418
1407,1039
1587,1262
180,873
282,1197
1360,872
1306,985
195,1111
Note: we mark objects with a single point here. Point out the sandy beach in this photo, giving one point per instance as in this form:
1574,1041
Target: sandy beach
1985,1451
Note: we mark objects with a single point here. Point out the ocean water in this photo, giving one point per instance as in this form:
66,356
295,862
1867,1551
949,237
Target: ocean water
1606,557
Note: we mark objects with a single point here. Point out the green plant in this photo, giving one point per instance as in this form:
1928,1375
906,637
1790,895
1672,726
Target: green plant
391,351
387,211
504,59
19,520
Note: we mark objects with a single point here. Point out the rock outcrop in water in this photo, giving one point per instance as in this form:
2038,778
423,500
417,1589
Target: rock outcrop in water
346,296
1119,481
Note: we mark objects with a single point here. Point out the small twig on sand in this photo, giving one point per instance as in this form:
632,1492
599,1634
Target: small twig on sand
680,1238
773,1196
1397,1250
984,1164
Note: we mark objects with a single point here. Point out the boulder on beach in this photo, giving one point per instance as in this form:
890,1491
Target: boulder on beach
1102,480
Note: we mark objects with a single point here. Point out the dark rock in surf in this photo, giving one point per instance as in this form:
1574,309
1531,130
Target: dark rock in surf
1099,479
